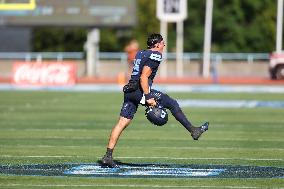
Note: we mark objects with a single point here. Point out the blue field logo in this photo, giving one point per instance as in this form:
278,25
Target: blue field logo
125,170
144,170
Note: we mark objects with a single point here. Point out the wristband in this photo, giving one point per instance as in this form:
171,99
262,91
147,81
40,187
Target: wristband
147,96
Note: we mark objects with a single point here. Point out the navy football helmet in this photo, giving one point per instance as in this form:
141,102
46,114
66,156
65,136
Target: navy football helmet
157,115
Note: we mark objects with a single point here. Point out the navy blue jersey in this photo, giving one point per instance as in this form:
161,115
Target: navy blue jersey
148,58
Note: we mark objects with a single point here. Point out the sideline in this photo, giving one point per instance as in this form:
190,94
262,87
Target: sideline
198,88
230,103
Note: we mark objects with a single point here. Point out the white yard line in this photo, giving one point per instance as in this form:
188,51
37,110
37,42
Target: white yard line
220,158
125,185
142,157
42,130
37,156
154,147
51,137
127,138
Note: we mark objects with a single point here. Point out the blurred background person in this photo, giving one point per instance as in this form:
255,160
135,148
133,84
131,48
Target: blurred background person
131,49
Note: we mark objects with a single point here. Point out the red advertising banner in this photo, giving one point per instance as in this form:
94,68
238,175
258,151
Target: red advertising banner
44,73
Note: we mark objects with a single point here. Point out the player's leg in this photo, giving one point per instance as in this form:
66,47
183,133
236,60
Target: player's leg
114,136
176,111
126,115
117,130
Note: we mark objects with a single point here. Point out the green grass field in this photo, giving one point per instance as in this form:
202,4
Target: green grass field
73,127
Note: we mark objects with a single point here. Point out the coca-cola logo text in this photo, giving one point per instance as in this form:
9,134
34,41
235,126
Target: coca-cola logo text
44,73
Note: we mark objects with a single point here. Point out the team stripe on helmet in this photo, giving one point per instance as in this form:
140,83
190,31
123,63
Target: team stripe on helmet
156,57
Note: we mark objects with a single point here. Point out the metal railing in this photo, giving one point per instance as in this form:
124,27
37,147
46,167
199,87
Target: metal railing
41,55
249,57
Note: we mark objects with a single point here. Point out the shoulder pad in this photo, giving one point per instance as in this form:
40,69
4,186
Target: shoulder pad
156,56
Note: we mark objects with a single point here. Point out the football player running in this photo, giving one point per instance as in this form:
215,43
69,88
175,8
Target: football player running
138,91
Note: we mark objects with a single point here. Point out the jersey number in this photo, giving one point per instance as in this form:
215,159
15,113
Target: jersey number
136,67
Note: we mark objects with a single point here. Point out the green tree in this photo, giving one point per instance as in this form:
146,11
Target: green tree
116,39
193,26
52,39
244,26
238,26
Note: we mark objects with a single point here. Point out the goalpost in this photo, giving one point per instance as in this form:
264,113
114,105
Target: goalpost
25,5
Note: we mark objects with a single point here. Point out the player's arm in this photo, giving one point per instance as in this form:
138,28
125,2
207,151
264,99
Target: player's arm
146,72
